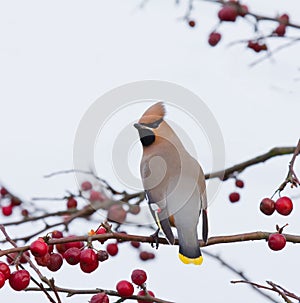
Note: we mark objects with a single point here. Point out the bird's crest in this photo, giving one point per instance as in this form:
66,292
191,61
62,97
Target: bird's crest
153,113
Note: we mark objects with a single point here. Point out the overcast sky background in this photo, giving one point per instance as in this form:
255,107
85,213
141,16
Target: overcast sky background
58,57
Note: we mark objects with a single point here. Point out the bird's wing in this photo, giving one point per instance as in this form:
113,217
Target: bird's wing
203,197
161,216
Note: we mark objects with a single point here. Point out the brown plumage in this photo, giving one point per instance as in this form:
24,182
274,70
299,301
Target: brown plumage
174,183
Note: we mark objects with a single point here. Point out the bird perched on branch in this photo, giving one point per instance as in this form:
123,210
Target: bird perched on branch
174,183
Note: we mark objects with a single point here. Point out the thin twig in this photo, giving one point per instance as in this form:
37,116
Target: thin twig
72,292
42,277
273,287
238,272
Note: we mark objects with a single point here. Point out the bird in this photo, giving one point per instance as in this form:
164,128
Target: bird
174,184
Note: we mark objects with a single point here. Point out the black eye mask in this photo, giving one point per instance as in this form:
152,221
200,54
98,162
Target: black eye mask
147,136
154,124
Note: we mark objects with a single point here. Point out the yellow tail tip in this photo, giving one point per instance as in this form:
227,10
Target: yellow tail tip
186,260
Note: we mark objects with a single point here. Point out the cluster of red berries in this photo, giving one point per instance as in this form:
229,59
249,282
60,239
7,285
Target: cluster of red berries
144,255
126,289
116,212
9,202
257,46
113,248
283,206
72,252
229,12
138,277
283,22
75,252
18,280
235,196
93,196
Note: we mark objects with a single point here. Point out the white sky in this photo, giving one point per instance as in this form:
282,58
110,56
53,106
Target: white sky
57,58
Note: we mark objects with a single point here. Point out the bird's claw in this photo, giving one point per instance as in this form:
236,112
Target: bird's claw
155,239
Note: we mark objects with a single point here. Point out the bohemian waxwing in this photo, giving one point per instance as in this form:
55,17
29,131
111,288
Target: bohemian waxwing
174,183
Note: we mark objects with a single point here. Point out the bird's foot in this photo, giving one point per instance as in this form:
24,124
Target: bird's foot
155,239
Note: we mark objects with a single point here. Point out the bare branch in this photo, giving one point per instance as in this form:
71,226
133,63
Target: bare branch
251,236
238,168
240,273
273,287
72,292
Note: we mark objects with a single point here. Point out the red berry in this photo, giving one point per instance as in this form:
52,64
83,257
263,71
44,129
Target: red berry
88,260
284,19
15,201
11,258
72,255
276,241
145,256
134,209
7,210
214,38
228,13
192,23
125,288
55,262
143,293
3,191
61,248
57,234
4,269
24,212
243,10
78,244
284,206
19,279
38,248
2,279
138,277
102,255
50,248
135,244
116,213
280,30
112,249
256,46
267,206
43,261
101,231
234,197
151,255
96,196
72,203
86,185
239,183
100,298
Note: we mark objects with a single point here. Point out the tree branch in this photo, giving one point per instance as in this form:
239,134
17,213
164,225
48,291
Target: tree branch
43,278
273,287
251,236
72,292
238,168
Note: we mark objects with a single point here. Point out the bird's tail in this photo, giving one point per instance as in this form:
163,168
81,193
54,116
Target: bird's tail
189,249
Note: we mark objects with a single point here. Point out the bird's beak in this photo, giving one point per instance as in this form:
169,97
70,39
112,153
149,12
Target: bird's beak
138,126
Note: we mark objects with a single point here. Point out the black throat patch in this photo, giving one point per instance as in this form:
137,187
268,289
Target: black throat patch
147,136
